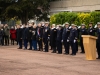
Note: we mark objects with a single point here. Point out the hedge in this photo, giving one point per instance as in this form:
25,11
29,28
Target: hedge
76,18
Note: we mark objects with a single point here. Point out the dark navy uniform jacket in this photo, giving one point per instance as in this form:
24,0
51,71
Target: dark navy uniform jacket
91,31
66,33
46,32
73,35
59,35
25,33
83,32
98,35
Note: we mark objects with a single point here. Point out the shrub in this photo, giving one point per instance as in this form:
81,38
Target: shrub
76,18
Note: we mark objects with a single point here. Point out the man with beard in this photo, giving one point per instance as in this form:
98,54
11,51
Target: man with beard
53,36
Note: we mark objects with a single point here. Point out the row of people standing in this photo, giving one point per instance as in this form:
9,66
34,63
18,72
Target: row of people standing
41,34
6,34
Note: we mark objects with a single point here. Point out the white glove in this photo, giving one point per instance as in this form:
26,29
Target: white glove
74,41
61,40
90,30
48,38
67,40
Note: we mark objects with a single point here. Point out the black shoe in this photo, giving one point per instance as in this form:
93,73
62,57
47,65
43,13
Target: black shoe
98,58
53,52
25,49
82,52
29,49
45,51
66,53
73,54
19,48
59,53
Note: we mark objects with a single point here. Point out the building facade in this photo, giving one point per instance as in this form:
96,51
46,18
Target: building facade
74,5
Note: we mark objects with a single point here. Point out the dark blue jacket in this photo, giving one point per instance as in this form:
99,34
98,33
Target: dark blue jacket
25,33
29,36
1,33
73,35
91,31
66,33
46,32
19,33
59,35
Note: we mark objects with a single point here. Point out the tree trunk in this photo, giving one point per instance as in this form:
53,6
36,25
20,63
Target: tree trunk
24,18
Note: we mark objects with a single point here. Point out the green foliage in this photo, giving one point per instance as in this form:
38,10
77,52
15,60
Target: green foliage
76,18
63,17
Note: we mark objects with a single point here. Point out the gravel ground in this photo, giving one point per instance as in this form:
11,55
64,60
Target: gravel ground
25,62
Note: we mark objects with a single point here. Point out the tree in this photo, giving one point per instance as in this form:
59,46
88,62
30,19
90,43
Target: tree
24,9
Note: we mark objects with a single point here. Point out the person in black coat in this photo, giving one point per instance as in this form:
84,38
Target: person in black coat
34,37
91,30
83,31
46,36
40,36
59,40
1,36
19,36
98,40
77,37
53,36
65,37
29,36
25,35
73,37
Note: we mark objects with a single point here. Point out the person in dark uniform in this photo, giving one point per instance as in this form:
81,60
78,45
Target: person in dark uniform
91,30
73,38
34,39
76,27
39,36
25,35
46,36
65,37
83,31
29,36
2,29
59,39
19,36
50,38
98,40
53,36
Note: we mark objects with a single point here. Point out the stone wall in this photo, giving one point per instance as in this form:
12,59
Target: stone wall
75,5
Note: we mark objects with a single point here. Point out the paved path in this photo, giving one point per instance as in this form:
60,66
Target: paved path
24,62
